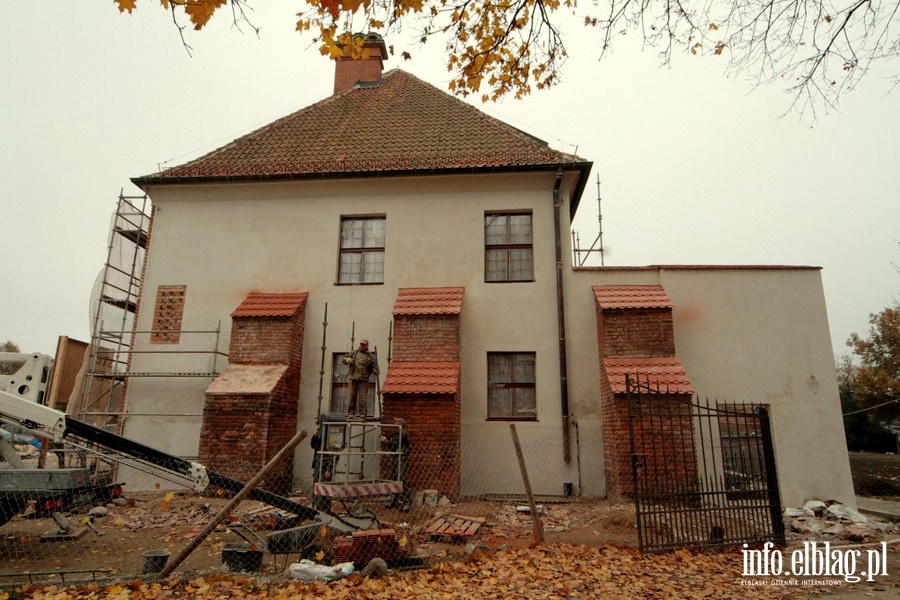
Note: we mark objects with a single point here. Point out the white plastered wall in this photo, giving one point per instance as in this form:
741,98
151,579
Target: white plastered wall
223,241
743,335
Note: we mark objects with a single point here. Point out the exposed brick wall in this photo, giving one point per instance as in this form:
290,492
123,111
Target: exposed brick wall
167,314
433,420
242,432
239,433
426,338
665,445
264,340
636,332
433,423
668,454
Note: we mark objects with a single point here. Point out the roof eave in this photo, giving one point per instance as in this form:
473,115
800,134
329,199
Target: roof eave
583,168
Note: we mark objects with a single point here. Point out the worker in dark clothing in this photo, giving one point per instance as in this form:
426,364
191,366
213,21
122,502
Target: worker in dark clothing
398,441
362,364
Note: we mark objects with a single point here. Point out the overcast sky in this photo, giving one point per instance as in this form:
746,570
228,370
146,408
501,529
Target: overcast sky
695,168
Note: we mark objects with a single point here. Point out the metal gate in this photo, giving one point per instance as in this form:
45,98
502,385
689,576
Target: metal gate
703,474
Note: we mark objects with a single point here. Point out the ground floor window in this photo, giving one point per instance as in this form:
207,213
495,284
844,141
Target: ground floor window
511,386
339,386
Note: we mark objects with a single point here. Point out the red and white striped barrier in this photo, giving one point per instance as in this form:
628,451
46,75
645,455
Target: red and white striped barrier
353,490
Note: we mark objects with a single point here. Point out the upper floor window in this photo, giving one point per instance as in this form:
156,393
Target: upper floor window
511,385
508,247
362,250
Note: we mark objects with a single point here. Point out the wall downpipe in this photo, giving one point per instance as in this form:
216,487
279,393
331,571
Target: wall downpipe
561,321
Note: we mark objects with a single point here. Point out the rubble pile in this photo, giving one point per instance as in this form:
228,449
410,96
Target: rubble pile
833,520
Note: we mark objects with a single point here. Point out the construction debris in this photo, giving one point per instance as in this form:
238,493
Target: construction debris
831,519
454,528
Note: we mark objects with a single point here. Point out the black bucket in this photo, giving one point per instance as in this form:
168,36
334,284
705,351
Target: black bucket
242,557
155,560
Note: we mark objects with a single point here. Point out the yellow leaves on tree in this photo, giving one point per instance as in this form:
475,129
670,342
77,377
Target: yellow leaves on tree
198,11
126,5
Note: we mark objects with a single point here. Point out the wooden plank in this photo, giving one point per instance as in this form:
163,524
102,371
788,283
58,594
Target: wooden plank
477,519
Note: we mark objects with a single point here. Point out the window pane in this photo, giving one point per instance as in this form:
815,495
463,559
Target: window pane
495,229
350,262
499,368
524,403
499,403
495,265
511,392
352,233
339,369
520,265
523,368
519,229
373,267
374,233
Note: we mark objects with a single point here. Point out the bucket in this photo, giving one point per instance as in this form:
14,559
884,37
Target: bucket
241,557
155,560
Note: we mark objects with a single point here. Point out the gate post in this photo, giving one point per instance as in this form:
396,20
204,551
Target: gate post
771,476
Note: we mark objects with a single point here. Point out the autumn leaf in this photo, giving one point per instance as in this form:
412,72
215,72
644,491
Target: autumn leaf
719,47
319,556
128,5
201,11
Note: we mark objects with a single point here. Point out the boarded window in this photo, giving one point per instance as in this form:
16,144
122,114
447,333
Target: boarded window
362,250
339,385
168,313
511,386
508,247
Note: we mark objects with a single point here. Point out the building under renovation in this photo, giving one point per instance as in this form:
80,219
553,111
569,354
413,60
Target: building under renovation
394,212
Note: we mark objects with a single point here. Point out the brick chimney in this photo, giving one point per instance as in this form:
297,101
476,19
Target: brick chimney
349,71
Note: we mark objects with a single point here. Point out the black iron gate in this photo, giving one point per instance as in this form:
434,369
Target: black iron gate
703,474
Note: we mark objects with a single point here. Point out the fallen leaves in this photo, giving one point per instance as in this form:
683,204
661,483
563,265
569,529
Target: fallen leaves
558,571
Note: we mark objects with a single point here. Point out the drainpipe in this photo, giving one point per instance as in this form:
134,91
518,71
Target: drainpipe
561,321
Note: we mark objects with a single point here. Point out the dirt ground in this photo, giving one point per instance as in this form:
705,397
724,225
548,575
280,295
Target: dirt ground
876,475
165,521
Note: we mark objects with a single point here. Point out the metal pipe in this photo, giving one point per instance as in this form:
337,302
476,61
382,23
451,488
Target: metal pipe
223,514
322,365
561,321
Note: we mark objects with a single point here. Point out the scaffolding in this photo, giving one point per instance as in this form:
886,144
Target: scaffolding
114,330
351,454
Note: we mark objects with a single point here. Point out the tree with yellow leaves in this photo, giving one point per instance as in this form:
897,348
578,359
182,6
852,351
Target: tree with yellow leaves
819,49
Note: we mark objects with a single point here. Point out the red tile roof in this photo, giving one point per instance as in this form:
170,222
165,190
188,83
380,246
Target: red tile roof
258,304
429,301
422,378
631,296
402,125
664,371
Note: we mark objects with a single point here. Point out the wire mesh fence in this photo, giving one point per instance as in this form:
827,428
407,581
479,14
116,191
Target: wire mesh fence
363,490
